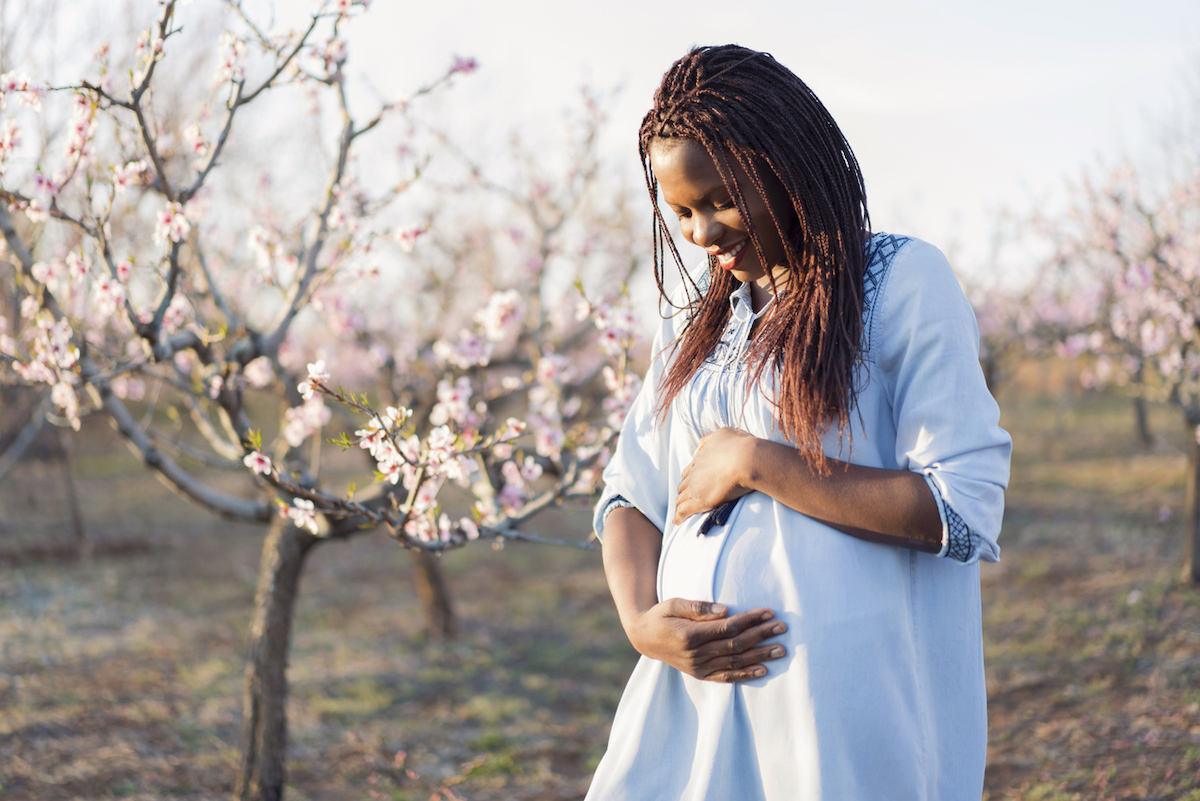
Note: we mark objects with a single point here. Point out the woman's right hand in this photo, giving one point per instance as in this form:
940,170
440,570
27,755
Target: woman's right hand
697,638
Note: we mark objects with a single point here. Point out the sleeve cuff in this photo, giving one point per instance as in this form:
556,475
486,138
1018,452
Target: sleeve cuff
958,541
615,502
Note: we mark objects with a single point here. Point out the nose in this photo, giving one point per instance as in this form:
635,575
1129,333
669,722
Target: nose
706,230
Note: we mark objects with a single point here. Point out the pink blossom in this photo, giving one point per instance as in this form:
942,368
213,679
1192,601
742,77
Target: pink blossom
110,296
13,82
63,396
193,139
172,225
51,274
37,211
177,312
464,65
548,440
78,266
611,342
422,528
316,375
502,315
124,268
453,403
510,497
231,49
18,83
470,351
460,469
407,238
335,52
258,372
302,514
43,185
10,140
469,528
530,469
303,421
258,462
554,370
128,388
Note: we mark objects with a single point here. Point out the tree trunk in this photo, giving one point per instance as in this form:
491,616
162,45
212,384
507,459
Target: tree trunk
83,543
264,704
1191,511
430,580
1143,422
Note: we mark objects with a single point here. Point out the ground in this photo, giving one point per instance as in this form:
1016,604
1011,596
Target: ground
120,674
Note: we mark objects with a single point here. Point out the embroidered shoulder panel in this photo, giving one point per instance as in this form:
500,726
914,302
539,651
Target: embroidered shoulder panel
883,249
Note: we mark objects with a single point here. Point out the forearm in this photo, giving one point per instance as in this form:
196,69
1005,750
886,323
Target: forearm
877,504
630,549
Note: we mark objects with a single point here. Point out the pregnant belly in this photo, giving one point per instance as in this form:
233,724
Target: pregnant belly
770,556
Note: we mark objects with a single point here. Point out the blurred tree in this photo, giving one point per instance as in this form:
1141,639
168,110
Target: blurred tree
1127,260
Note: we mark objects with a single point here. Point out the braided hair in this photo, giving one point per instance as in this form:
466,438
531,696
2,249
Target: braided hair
745,108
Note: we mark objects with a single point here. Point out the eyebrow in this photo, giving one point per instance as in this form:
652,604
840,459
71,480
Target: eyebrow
707,196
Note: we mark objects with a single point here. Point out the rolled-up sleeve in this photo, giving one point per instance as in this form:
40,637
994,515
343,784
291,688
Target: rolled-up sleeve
925,340
636,475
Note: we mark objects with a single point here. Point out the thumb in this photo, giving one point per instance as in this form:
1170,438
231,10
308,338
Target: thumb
694,610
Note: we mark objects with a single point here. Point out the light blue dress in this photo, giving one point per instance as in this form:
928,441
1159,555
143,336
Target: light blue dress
881,694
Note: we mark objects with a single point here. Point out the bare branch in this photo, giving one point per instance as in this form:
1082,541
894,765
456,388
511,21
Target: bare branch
193,452
176,477
13,453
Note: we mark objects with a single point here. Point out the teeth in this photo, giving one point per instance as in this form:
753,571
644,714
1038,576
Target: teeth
730,255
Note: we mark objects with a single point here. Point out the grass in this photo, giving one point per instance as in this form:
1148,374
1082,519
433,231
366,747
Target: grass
120,676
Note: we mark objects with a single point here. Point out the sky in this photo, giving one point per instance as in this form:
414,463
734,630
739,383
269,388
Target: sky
956,110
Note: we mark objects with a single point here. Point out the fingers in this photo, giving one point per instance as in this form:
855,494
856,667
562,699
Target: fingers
694,610
682,504
741,642
707,644
743,666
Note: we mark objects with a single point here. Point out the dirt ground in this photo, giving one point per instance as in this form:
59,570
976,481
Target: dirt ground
120,674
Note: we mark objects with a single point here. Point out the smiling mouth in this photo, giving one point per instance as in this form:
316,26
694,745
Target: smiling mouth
728,259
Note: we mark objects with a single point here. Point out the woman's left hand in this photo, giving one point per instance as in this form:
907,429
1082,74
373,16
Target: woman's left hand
717,473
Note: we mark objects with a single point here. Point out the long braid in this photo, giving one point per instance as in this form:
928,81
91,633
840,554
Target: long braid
746,109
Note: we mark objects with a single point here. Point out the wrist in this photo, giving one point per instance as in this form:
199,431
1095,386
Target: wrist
634,623
750,463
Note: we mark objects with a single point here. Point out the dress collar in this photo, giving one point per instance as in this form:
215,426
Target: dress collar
743,304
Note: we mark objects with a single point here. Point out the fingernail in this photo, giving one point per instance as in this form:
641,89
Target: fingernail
768,615
780,629
776,651
718,609
758,672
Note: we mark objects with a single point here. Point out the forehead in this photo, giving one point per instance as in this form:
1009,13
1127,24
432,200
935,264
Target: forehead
684,169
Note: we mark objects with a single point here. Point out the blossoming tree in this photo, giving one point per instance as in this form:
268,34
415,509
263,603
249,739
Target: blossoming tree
141,282
1128,254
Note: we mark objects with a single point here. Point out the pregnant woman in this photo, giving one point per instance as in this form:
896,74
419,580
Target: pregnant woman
802,491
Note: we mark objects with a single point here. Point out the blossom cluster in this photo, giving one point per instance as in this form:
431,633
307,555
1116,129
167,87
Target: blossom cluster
53,355
1134,306
17,83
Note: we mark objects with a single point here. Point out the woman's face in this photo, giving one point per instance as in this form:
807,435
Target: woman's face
691,185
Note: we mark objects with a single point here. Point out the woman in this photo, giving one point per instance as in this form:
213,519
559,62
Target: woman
794,515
